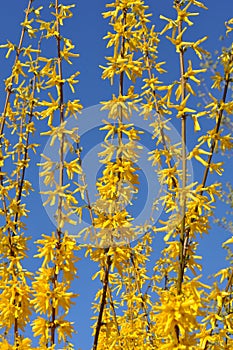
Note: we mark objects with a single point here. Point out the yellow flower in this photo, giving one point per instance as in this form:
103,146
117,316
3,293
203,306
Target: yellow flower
181,108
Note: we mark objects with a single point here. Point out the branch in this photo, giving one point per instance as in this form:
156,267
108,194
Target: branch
103,301
212,149
220,115
149,71
229,284
143,303
181,266
184,171
61,164
9,88
21,181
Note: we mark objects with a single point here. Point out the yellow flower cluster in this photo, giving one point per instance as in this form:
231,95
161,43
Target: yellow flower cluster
16,131
52,297
142,304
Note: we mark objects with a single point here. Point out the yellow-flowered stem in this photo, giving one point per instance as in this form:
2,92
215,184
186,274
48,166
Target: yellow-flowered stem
20,181
9,87
143,303
108,264
212,149
16,243
61,163
227,289
7,99
126,260
25,156
183,239
57,250
159,114
228,79
86,193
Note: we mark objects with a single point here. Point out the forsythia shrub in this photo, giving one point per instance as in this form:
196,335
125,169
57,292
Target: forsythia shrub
144,302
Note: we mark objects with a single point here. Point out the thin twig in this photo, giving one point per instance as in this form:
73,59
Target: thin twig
103,300
184,171
143,303
9,87
220,115
212,149
2,125
229,284
181,266
21,181
7,100
61,165
108,265
158,112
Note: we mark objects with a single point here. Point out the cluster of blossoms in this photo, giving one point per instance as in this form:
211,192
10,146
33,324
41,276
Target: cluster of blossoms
139,305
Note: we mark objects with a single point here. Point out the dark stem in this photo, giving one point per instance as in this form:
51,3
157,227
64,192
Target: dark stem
212,149
228,286
158,112
61,165
184,173
21,181
181,266
9,88
220,115
103,301
143,303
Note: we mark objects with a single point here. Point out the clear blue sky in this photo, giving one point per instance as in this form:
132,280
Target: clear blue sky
86,30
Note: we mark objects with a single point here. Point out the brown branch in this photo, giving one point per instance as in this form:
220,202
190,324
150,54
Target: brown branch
149,71
7,100
61,165
107,269
229,284
16,333
181,266
2,125
86,193
21,181
212,149
111,302
61,108
143,303
9,88
220,115
103,300
184,171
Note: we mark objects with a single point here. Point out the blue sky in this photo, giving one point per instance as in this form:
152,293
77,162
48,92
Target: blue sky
86,30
